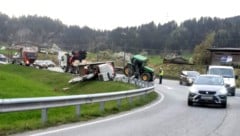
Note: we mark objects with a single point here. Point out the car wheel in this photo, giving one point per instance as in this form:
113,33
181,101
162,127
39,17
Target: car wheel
224,105
233,93
190,103
180,82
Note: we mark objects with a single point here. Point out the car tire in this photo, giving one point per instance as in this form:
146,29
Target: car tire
190,103
224,105
180,82
233,93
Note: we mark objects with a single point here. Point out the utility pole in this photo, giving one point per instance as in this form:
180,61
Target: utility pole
124,47
124,54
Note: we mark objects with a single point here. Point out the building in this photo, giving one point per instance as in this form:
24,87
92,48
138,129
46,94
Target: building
225,56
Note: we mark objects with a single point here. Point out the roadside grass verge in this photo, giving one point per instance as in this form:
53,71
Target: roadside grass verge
20,81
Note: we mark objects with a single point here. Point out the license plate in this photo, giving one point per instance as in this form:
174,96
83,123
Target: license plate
207,97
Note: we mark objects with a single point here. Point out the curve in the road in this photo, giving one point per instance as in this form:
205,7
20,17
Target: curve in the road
168,116
161,98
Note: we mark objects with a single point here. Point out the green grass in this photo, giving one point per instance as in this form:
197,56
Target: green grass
20,81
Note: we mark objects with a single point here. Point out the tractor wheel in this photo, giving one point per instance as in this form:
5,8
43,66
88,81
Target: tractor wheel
145,76
128,70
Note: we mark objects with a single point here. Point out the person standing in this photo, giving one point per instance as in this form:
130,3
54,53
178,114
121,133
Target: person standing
160,75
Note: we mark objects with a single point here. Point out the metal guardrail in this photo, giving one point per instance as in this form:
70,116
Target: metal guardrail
43,103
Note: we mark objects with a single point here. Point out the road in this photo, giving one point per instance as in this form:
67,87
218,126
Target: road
168,116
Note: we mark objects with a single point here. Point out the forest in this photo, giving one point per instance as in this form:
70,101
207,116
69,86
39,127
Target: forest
152,38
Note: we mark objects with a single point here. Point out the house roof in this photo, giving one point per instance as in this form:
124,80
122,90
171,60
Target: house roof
224,49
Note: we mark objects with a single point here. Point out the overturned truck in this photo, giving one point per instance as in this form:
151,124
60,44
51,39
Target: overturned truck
73,63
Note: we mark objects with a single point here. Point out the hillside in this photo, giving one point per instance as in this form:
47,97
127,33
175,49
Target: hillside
20,81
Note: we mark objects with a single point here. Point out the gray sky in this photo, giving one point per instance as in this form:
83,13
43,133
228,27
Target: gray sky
109,14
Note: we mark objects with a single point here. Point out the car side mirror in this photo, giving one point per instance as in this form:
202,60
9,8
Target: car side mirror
236,77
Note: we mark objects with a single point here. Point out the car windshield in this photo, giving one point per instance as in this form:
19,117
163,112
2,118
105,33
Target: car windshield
228,73
31,55
209,80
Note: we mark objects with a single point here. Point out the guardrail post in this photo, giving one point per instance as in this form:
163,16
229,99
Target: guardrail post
78,110
144,96
119,103
102,106
130,99
140,98
44,115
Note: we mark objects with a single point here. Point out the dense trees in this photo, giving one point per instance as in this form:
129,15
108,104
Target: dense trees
201,55
151,37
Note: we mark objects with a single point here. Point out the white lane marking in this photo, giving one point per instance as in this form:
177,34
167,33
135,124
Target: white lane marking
169,88
101,121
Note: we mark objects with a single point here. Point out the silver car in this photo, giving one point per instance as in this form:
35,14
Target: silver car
188,77
43,64
209,89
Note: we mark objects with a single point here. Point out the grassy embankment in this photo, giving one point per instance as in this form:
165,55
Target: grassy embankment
20,81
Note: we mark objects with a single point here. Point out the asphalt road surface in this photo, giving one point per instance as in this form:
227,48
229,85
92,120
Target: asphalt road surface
168,116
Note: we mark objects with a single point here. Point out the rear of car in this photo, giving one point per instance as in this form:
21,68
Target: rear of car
40,64
208,89
228,74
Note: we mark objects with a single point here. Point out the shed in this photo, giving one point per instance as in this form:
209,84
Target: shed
225,56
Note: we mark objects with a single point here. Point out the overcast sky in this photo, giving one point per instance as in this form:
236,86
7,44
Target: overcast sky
109,14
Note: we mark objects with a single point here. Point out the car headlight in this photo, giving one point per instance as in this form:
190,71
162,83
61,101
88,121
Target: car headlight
190,80
193,90
223,91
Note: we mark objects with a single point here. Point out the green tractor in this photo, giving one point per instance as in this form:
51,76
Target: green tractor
137,67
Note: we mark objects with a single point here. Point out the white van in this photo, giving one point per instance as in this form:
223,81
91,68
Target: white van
3,59
228,74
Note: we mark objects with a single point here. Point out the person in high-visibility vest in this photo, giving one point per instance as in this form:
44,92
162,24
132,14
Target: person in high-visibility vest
160,75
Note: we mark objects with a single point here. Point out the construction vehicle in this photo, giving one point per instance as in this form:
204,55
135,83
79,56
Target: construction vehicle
137,68
25,55
103,71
